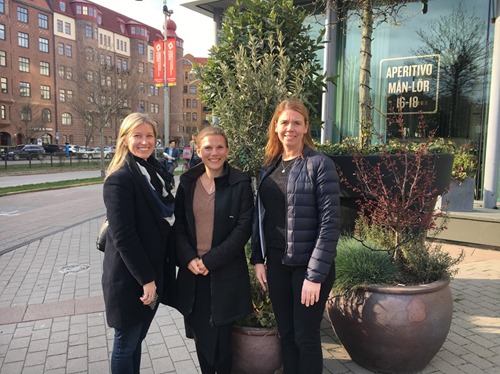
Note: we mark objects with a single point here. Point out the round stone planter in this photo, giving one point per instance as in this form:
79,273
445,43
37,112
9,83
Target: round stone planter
394,329
256,350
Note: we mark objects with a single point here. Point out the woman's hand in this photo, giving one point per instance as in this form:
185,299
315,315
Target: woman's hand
260,274
310,293
194,267
149,293
202,267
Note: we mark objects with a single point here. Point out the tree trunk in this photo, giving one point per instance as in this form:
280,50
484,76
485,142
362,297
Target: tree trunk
365,103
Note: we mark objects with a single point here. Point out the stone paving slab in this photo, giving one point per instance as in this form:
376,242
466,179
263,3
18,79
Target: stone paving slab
52,319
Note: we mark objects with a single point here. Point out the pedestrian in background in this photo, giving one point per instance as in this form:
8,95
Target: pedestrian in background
171,155
214,209
139,266
296,229
195,159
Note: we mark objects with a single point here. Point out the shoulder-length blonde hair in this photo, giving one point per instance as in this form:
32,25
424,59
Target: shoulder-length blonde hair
274,147
128,125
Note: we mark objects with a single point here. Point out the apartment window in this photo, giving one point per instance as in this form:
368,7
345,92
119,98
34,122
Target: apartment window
22,14
108,61
24,89
23,40
4,88
44,68
46,115
3,58
141,48
69,51
69,73
89,54
141,67
26,114
45,92
151,54
3,112
59,25
69,95
2,31
125,65
195,103
67,28
188,103
61,71
43,21
192,90
60,49
43,45
188,117
118,64
67,119
89,31
24,64
195,117
62,96
2,6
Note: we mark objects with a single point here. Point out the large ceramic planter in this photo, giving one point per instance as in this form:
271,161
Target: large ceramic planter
394,329
459,198
346,167
256,350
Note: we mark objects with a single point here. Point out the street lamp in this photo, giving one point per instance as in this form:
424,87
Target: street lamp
166,119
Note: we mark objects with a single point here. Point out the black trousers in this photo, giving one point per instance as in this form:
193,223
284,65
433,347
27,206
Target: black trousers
213,344
298,325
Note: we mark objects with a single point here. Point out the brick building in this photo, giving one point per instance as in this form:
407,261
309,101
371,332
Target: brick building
51,50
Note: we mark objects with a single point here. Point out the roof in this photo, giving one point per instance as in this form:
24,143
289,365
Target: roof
111,20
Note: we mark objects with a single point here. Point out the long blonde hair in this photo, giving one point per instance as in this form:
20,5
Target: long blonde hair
128,125
274,147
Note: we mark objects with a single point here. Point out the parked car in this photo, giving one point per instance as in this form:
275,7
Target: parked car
92,153
53,148
27,151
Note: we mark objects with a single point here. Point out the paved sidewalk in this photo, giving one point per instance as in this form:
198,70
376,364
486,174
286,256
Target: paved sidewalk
52,320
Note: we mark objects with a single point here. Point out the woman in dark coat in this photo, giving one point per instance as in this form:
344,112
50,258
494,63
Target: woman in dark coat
138,266
296,229
214,208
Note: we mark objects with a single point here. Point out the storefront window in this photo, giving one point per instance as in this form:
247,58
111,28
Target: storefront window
434,64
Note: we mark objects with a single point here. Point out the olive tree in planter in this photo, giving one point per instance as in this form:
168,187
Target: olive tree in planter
265,54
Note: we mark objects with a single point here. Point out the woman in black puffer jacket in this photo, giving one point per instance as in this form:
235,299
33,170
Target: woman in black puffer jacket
296,229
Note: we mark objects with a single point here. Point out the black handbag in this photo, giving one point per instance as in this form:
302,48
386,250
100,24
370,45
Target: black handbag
101,237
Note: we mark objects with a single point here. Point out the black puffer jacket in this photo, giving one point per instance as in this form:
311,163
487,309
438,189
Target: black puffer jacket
226,260
313,216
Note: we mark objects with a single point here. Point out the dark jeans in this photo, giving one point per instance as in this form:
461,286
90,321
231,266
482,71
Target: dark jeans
126,356
298,325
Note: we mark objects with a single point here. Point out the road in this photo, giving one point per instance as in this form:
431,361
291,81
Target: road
27,217
47,212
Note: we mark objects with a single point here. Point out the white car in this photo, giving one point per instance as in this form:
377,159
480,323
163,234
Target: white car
93,153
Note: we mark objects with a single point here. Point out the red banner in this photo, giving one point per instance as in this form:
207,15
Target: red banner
159,58
171,62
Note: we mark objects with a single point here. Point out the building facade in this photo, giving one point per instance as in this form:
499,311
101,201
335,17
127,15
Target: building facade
71,70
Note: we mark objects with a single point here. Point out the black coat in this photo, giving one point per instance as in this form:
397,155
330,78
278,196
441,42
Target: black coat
226,260
137,247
